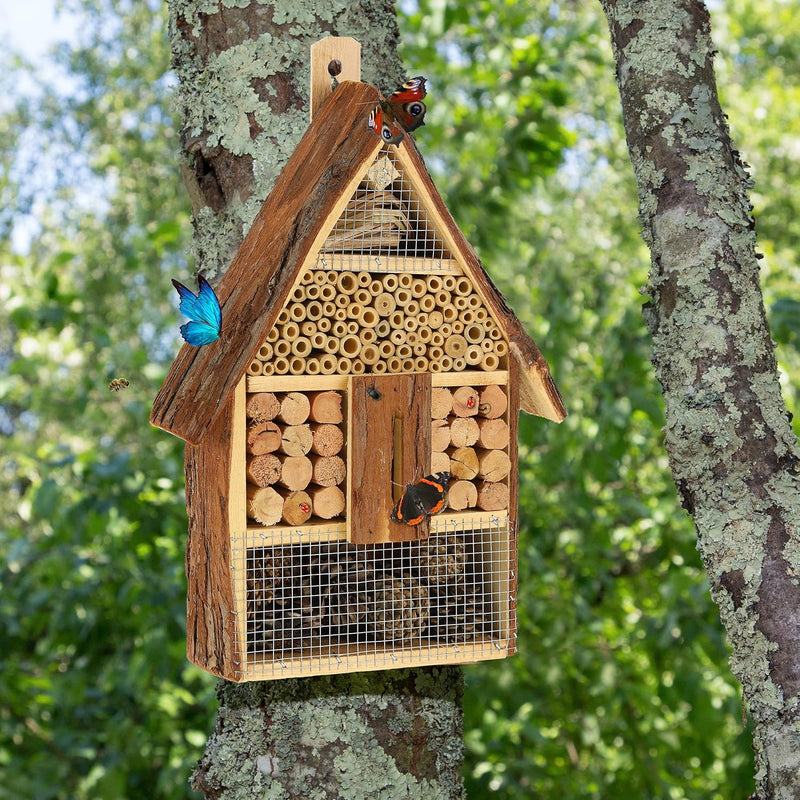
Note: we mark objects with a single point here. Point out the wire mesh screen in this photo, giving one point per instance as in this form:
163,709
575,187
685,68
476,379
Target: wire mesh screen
384,224
311,606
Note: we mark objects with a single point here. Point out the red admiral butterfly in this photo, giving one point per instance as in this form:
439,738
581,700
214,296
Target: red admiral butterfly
403,111
421,499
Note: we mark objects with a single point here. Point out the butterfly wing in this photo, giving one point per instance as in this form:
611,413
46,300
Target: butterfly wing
421,499
203,312
384,125
406,103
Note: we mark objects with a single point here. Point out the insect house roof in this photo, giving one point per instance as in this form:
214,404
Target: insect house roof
288,234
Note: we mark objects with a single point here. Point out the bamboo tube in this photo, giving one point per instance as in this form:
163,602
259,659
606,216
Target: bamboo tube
460,303
350,346
437,340
449,283
273,335
340,314
418,288
320,277
419,348
461,495
492,401
312,366
402,296
449,313
368,318
367,335
435,319
464,463
386,348
494,333
301,346
421,364
327,364
363,297
468,317
325,407
474,355
443,298
324,323
458,326
283,317
424,334
383,328
281,365
352,328
474,333
394,364
347,282
375,288
296,508
379,367
492,496
307,278
440,462
435,353
427,303
327,293
480,314
312,292
328,501
403,351
290,331
405,279
328,470
407,365
318,340
357,367
490,362
446,363
267,368
339,329
410,324
493,465
464,432
364,278
459,364
446,330
263,437
296,472
328,439
308,328
455,346
370,354
385,304
434,283
297,365
264,505
255,367
463,286
263,470
313,310
262,406
434,366
500,347
398,337
344,365
422,317
473,301
331,344
487,345
465,401
282,348
299,293
332,277
389,282
295,408
264,352
412,309
296,440
342,300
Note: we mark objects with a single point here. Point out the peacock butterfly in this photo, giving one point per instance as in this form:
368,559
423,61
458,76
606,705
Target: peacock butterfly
403,111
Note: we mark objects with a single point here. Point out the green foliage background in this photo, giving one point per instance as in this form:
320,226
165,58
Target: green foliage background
621,687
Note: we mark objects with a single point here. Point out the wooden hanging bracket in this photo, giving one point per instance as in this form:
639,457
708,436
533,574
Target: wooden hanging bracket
333,59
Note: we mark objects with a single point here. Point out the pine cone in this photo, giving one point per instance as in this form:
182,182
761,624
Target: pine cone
440,558
459,612
399,607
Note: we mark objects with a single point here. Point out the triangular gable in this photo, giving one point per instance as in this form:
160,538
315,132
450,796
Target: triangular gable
293,230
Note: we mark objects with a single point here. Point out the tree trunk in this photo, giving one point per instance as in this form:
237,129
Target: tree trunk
244,95
732,452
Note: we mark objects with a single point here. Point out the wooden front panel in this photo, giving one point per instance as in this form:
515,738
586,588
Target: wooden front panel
389,445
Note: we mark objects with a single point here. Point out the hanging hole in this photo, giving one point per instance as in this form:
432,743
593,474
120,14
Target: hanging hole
334,67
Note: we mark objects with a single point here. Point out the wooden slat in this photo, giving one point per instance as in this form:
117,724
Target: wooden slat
344,49
375,454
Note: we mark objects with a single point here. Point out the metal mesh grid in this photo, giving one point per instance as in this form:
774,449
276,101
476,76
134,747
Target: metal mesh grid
383,225
309,602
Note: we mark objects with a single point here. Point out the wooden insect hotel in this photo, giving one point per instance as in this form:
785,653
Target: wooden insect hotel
363,347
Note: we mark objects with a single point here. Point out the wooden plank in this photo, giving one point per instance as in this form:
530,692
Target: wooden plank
345,50
316,183
360,262
211,622
388,434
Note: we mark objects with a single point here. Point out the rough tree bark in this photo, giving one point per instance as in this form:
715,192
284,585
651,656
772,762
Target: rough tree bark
732,452
244,92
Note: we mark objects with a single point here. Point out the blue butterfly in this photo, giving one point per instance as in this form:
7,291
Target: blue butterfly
203,311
